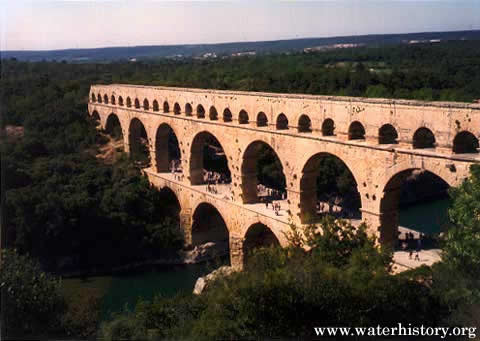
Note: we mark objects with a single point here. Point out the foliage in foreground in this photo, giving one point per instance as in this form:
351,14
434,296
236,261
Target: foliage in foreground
33,303
287,292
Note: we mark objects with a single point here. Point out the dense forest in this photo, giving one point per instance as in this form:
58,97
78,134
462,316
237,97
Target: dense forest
66,209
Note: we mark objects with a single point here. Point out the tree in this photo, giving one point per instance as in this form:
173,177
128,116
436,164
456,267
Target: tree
33,302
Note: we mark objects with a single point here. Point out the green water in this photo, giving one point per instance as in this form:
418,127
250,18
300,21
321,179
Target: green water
169,280
165,280
428,218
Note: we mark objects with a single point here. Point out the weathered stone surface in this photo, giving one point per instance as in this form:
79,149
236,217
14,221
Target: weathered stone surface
378,168
203,282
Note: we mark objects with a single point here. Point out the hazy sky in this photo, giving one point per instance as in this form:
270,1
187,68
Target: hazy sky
43,24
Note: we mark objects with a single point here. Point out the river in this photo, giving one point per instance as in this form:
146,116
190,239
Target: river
121,290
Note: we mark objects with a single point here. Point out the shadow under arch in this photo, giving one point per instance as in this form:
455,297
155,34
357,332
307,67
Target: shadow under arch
138,143
170,204
257,236
407,188
261,165
167,149
207,154
328,186
465,142
208,226
113,126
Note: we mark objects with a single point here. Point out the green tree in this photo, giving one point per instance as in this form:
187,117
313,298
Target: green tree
33,302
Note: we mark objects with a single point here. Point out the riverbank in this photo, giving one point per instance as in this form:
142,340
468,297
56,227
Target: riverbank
199,254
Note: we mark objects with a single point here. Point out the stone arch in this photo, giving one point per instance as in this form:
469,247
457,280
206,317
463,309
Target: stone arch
129,102
112,99
139,143
113,126
257,236
200,111
137,103
243,117
387,134
146,104
166,107
95,116
213,114
155,106
120,101
250,175
423,138
304,124
176,109
465,142
328,127
227,115
167,149
356,131
262,120
171,206
203,143
208,225
94,99
99,98
389,203
188,109
316,187
282,122
105,99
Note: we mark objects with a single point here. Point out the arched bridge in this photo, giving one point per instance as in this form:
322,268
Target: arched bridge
381,141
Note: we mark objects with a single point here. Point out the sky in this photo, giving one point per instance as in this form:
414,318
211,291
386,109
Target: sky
59,24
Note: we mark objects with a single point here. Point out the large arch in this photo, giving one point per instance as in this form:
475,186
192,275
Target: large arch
387,134
95,116
356,131
304,124
465,142
167,149
282,122
262,166
208,226
257,236
328,186
407,187
207,154
138,143
113,126
170,205
423,138
262,120
213,114
243,117
328,127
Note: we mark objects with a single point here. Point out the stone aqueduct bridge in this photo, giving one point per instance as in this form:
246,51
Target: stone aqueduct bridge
380,140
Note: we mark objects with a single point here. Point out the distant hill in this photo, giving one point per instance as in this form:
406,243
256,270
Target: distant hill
228,49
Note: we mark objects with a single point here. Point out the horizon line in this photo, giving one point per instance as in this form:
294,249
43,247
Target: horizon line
237,42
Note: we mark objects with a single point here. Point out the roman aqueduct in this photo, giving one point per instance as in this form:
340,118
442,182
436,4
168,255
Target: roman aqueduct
381,141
